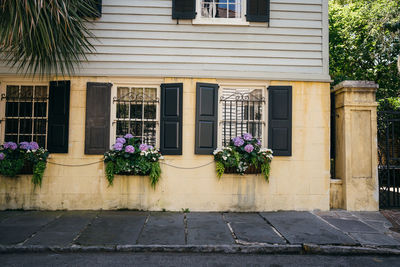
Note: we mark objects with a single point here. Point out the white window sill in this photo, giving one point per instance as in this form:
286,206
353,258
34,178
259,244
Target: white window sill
220,21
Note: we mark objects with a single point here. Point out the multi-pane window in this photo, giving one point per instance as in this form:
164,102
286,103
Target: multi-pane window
242,112
136,113
26,113
221,8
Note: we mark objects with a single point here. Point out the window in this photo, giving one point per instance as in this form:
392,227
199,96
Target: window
242,112
220,12
221,8
136,112
26,113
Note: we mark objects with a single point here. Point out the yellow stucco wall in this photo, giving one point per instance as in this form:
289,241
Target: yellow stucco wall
299,182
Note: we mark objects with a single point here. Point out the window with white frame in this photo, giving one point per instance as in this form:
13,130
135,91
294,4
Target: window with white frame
26,113
136,112
242,111
221,8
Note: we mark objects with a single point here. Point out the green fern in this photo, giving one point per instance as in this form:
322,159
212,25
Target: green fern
110,170
265,169
38,171
220,168
155,173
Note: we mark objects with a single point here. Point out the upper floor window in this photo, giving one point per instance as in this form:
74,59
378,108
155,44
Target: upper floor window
26,113
221,8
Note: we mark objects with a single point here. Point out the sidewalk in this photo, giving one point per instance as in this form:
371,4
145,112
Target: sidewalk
334,232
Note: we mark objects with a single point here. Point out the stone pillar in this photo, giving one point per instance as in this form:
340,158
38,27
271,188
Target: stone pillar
356,161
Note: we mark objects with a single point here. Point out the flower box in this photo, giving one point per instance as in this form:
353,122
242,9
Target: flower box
27,169
250,170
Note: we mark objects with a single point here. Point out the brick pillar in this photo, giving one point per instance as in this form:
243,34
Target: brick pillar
356,144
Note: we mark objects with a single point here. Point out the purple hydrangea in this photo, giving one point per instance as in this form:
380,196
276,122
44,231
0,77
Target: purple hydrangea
10,145
258,142
150,147
120,140
33,146
247,136
128,136
249,148
2,156
143,147
129,149
238,141
118,146
24,145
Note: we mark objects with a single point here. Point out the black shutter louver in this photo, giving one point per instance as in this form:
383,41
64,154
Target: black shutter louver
171,119
58,118
280,120
258,10
97,126
206,118
183,9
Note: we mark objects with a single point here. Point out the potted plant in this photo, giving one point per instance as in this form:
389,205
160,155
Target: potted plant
244,155
25,158
131,157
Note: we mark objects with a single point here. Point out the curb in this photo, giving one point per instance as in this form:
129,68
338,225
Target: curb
227,249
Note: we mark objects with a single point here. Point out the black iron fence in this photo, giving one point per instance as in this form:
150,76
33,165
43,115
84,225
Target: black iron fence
389,158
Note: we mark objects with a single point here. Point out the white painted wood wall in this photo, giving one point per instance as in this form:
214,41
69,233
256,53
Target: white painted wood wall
140,38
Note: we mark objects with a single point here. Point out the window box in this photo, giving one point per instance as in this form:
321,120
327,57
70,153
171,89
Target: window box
27,169
250,170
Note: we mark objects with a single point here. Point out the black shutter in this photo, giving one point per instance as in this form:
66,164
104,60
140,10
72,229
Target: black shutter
98,8
97,128
206,118
171,119
258,10
58,119
280,120
183,9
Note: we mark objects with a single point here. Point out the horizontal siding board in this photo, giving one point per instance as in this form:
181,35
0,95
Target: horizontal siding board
260,30
302,2
208,44
296,15
295,23
295,7
138,3
206,37
159,11
204,60
239,52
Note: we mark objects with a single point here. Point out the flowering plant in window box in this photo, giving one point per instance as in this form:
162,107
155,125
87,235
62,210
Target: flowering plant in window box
131,157
23,158
244,155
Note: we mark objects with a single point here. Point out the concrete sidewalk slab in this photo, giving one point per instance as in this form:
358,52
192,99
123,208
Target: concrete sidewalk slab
16,229
348,226
252,228
163,228
63,230
114,228
304,227
206,228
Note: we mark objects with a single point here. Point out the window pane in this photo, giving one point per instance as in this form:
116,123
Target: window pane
136,111
12,126
40,91
26,92
221,11
123,93
39,126
25,109
136,128
40,139
122,111
25,138
150,94
122,128
150,133
25,126
150,112
11,138
12,109
12,91
40,109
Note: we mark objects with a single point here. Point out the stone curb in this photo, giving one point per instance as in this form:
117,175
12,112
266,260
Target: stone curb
228,249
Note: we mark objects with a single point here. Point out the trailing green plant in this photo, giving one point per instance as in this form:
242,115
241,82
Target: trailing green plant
243,152
131,157
13,158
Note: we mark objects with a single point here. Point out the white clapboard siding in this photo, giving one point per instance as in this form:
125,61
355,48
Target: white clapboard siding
140,38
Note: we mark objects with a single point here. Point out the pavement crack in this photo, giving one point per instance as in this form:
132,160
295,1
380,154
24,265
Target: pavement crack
84,228
235,238
41,229
142,229
274,229
186,228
